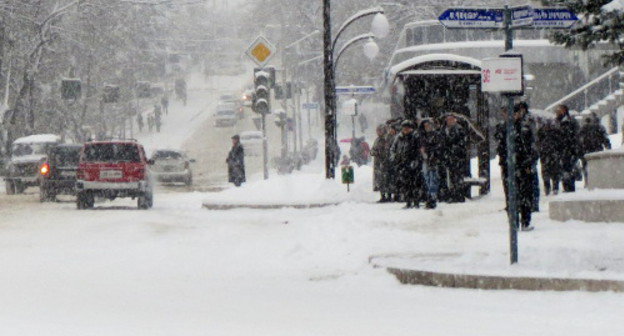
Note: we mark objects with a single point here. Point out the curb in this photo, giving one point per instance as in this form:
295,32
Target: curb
213,206
488,282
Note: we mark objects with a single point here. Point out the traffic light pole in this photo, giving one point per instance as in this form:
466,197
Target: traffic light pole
265,148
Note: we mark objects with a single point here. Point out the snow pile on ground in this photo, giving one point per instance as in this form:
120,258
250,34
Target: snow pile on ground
299,188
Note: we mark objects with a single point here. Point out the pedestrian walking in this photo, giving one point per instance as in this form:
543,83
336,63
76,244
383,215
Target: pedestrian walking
140,121
157,117
164,101
593,138
569,153
548,147
236,162
408,164
431,152
455,158
381,158
150,122
532,122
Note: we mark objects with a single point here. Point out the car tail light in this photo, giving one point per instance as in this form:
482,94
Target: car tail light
44,169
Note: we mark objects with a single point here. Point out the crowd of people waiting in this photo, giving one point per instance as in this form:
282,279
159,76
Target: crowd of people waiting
423,162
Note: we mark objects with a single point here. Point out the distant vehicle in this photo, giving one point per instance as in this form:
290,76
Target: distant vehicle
225,117
247,97
252,142
172,166
58,172
228,98
112,169
27,155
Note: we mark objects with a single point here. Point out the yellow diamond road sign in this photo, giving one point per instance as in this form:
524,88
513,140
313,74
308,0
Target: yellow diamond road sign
261,51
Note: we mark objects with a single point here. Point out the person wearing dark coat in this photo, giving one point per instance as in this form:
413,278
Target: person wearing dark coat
391,171
500,134
526,155
593,138
380,155
569,153
455,158
431,152
532,123
548,147
236,162
407,161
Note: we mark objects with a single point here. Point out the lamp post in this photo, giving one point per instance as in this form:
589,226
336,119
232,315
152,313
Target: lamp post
379,28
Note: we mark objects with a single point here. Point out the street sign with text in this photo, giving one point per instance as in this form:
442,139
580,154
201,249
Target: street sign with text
351,90
553,18
472,18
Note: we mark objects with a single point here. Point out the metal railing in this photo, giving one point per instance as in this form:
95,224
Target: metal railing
592,92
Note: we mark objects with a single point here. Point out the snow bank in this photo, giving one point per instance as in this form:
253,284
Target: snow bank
299,188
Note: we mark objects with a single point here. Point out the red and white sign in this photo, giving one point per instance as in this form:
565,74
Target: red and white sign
502,74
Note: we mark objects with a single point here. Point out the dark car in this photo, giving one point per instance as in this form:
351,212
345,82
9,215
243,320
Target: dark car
58,172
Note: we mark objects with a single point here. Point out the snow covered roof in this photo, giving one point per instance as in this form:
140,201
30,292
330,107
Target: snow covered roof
36,138
615,5
431,58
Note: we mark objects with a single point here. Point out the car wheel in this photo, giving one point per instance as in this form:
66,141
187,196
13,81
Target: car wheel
19,187
85,200
10,187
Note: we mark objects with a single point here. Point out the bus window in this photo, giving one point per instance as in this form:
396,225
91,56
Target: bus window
435,34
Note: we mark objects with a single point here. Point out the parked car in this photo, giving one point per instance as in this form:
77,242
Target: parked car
27,155
58,172
172,166
112,169
252,142
225,116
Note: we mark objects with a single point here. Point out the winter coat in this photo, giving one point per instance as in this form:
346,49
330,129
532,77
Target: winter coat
455,155
570,150
381,156
500,134
431,144
549,149
593,138
407,160
236,165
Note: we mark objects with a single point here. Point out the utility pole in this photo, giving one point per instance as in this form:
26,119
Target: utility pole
330,94
512,210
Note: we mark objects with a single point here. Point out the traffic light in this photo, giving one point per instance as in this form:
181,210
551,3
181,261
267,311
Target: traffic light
111,94
71,89
271,72
262,92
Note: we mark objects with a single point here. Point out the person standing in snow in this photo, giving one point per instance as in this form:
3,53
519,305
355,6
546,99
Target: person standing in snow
532,123
164,101
593,138
140,121
548,148
455,158
525,162
391,170
150,122
500,134
569,150
408,163
431,152
380,155
236,162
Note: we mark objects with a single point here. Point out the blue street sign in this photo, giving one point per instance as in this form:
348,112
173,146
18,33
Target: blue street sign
561,18
355,90
310,106
472,18
521,16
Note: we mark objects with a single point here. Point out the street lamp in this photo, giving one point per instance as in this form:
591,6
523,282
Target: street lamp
379,26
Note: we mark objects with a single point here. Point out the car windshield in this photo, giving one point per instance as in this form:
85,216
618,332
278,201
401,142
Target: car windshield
225,113
112,152
167,155
229,106
23,149
65,156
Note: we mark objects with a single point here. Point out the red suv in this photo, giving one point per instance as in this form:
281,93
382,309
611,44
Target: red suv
112,169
